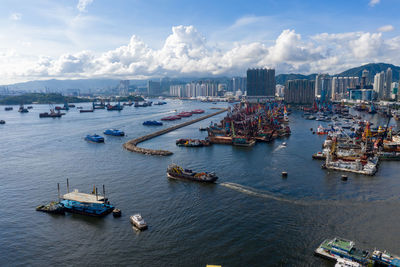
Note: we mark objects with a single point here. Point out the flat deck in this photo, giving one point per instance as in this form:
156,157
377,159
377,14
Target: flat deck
83,197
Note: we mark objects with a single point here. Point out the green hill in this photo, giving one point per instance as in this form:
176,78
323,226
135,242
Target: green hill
373,69
282,78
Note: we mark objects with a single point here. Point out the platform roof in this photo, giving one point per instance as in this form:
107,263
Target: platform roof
83,197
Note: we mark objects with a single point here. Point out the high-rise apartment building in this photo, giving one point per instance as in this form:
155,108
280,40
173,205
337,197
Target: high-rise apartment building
364,78
153,88
379,85
388,84
239,84
261,82
323,87
340,86
194,89
299,92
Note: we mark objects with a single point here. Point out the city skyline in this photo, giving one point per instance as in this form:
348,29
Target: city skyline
95,39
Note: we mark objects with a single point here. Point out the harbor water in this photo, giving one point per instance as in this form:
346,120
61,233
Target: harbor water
251,217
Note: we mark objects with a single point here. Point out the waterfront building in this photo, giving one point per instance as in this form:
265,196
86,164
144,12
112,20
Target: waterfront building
364,78
340,86
177,90
362,94
379,85
323,86
239,84
261,82
153,88
299,92
388,84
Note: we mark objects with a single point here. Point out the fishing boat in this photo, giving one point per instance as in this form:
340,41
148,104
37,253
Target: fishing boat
94,138
176,172
153,123
51,114
203,128
338,248
159,103
22,109
321,130
86,110
197,111
86,204
138,221
8,108
53,207
171,118
242,141
100,105
192,142
117,107
184,114
114,132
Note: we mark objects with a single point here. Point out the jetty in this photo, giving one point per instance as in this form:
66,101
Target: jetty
131,145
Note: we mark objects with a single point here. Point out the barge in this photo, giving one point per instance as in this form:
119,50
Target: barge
176,172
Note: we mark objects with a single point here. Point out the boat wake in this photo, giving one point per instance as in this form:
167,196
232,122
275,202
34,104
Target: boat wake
261,194
304,202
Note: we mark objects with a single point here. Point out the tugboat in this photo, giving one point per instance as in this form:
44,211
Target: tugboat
114,132
22,109
94,138
52,207
138,221
117,107
153,123
176,172
192,142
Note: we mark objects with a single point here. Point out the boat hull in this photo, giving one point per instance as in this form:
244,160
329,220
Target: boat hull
190,178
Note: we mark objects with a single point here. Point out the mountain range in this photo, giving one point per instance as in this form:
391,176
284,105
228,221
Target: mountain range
100,84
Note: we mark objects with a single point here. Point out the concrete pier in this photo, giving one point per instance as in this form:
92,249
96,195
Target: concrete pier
131,145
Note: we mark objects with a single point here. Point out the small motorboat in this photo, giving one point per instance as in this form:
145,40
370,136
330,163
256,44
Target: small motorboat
94,138
52,207
153,123
203,128
30,107
22,109
138,221
2,122
284,144
8,108
116,212
114,132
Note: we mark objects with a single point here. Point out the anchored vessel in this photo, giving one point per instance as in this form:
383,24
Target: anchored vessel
114,132
341,248
153,123
94,138
176,172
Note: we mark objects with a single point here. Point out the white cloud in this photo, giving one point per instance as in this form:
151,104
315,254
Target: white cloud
186,52
386,28
374,2
82,4
15,16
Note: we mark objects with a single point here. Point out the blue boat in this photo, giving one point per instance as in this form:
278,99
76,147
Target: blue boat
114,132
94,138
152,123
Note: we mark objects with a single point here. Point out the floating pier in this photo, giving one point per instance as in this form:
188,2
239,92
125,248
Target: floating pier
132,144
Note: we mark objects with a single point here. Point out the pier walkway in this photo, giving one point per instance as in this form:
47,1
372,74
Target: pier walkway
131,145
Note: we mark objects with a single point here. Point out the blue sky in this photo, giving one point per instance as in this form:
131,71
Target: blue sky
45,39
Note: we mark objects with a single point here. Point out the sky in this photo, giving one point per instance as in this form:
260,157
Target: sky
143,39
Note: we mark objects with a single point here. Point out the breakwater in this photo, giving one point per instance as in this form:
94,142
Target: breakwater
131,145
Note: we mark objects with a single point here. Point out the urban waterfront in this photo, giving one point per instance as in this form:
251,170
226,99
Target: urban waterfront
251,217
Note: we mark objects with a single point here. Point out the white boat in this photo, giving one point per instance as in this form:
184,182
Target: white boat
138,221
341,262
284,144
